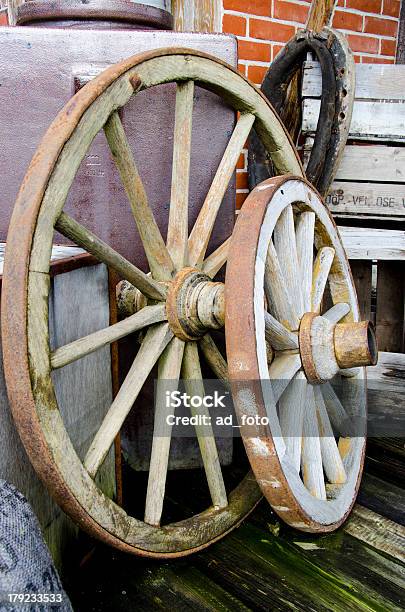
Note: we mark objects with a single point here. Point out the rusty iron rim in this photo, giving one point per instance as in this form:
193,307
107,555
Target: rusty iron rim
15,325
244,364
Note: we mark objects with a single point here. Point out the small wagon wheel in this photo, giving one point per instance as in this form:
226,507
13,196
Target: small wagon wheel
306,445
175,319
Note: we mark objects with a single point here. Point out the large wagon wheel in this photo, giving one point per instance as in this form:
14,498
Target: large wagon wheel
175,318
306,446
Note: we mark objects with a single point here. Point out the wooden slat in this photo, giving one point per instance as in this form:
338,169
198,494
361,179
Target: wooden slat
370,120
370,243
390,306
311,459
322,266
204,224
373,82
191,372
280,304
73,230
91,343
177,232
337,312
286,248
280,337
372,163
214,357
281,371
331,459
217,259
291,409
157,255
377,531
156,340
168,372
305,249
362,275
370,199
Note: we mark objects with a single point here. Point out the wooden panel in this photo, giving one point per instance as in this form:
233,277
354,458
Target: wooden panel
373,81
361,271
84,394
370,199
372,163
370,120
390,306
371,243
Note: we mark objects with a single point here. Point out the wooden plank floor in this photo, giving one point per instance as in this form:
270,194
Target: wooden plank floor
265,566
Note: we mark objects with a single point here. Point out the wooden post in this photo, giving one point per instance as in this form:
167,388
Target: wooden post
197,15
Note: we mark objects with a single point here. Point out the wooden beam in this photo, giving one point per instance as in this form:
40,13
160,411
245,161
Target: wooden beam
197,15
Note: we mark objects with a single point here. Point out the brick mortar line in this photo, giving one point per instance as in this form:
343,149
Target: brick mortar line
350,32
342,9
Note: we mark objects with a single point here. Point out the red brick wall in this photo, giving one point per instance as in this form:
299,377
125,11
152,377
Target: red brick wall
263,26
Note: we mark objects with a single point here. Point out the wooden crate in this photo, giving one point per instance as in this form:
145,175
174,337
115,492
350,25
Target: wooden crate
370,180
369,191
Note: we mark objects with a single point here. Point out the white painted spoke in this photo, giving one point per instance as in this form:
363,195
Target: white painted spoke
279,336
156,252
337,414
214,358
337,312
322,266
332,461
203,227
191,372
84,346
291,410
102,251
281,371
279,300
311,458
217,259
177,233
168,377
156,340
305,250
286,248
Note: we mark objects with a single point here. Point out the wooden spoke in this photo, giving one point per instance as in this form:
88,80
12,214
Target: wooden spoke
332,461
214,358
337,414
202,229
279,336
168,376
280,303
84,346
281,371
102,251
156,340
191,372
322,266
305,249
337,312
291,409
177,232
156,252
311,458
286,249
217,259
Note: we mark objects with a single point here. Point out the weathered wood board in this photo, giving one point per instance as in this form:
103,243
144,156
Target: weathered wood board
370,179
83,390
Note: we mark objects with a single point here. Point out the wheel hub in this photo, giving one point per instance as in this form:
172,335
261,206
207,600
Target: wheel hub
194,304
326,348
